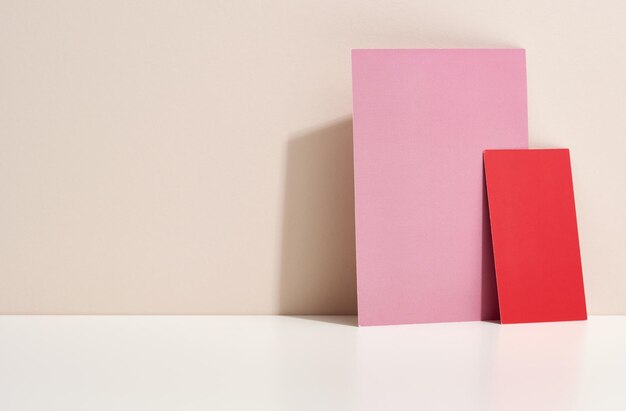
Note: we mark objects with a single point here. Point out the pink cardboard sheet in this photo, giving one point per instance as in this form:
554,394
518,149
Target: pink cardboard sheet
422,119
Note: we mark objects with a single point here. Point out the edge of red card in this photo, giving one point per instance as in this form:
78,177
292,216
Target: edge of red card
535,235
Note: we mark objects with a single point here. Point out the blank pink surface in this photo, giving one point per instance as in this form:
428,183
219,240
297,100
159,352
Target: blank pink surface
422,119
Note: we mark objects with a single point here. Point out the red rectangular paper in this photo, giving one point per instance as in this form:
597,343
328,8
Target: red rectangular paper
535,236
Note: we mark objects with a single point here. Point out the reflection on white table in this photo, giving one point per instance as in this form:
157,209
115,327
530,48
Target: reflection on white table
307,363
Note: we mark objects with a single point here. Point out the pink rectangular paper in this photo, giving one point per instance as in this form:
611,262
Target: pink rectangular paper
422,119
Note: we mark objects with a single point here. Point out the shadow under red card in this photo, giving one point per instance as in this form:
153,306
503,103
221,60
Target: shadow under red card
535,235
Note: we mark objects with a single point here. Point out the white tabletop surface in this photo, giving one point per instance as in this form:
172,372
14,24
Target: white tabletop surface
307,363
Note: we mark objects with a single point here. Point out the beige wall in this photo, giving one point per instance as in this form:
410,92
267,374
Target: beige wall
194,156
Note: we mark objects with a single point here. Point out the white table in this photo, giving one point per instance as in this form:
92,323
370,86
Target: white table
307,363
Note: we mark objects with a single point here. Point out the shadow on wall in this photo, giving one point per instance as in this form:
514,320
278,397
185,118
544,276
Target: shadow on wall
318,267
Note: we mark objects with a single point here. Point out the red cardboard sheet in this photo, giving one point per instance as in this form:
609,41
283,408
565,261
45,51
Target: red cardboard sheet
535,236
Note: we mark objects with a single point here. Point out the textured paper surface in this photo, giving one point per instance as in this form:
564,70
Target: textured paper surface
422,119
535,235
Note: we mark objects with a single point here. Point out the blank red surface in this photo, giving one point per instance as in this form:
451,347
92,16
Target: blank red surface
535,235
